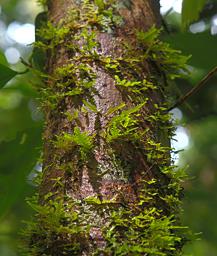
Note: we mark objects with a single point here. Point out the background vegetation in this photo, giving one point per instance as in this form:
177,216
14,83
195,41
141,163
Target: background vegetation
21,121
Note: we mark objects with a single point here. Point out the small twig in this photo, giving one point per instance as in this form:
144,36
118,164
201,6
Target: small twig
30,67
194,89
168,12
25,63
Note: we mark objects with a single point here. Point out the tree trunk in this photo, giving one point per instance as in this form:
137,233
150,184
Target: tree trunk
107,185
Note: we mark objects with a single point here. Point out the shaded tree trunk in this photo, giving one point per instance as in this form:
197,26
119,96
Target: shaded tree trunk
107,185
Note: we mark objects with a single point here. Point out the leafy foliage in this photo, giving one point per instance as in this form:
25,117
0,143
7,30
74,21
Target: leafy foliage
55,224
68,141
124,125
191,10
145,233
186,43
6,74
75,82
171,61
25,150
123,121
200,200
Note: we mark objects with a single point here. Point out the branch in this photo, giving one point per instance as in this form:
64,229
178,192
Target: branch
194,89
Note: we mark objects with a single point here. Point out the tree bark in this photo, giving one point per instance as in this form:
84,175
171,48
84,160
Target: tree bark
100,142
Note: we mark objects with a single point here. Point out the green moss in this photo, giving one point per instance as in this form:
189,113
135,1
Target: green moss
169,60
52,36
156,153
145,233
67,142
150,224
125,125
58,230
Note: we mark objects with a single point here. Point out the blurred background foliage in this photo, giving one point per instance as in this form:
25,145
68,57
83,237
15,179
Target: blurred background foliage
21,120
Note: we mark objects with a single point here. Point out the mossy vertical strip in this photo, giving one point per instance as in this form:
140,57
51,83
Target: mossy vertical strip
109,171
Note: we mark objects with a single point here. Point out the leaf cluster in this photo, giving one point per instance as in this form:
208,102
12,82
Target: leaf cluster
67,142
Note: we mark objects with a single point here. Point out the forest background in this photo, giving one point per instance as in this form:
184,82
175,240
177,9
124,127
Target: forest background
21,121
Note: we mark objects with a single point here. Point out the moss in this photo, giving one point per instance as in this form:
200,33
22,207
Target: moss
147,232
125,125
150,224
169,60
67,142
58,230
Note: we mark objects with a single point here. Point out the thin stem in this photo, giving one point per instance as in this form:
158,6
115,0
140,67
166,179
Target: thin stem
25,63
194,89
23,72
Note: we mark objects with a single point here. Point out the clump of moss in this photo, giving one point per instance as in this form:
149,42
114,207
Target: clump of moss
67,142
58,230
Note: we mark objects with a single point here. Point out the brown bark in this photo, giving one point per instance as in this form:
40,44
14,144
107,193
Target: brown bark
82,180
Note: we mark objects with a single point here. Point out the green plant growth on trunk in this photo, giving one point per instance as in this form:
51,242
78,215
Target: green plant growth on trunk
108,185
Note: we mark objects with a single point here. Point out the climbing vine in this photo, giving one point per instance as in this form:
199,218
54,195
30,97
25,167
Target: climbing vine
146,222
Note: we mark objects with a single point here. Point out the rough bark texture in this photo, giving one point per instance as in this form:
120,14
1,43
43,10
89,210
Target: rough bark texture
139,15
113,171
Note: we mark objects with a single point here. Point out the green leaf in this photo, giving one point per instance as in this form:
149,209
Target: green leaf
114,109
40,21
90,106
191,10
18,158
3,60
6,74
38,55
202,56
